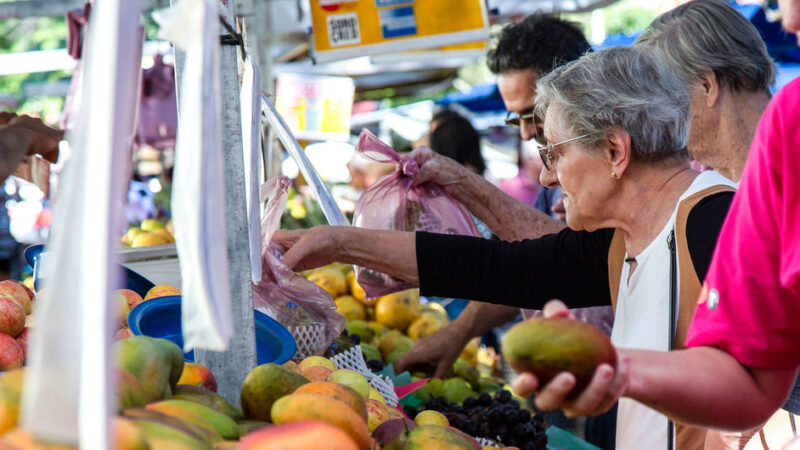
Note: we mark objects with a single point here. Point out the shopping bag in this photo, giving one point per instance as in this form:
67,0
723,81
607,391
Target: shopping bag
305,309
395,203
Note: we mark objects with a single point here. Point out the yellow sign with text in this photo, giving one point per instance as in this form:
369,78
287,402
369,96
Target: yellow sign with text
350,28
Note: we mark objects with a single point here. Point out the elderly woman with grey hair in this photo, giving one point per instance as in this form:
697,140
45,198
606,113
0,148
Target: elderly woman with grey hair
617,123
723,60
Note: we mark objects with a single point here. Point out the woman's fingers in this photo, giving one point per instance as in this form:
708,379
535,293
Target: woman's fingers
591,400
287,238
554,394
525,384
555,308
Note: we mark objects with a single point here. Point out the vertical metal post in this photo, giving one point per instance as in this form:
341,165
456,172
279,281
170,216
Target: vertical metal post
231,367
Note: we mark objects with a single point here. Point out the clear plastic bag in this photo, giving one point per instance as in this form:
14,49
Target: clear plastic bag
395,203
287,297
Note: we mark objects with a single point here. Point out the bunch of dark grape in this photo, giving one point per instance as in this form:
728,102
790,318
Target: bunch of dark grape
375,365
499,419
342,343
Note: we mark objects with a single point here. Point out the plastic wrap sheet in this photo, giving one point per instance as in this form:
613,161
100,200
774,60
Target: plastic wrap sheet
68,394
250,98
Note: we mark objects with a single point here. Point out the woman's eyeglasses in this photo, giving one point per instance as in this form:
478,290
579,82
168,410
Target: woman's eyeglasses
546,152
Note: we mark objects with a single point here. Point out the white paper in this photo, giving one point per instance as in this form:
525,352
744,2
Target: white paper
250,98
69,385
198,189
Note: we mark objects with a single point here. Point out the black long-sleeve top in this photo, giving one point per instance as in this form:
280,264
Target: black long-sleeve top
569,265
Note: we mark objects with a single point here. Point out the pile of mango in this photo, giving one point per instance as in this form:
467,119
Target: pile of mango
148,232
388,326
400,311
162,402
314,404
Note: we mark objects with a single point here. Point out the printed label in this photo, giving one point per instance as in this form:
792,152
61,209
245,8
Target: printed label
398,22
343,29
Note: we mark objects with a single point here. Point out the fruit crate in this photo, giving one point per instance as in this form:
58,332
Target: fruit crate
157,263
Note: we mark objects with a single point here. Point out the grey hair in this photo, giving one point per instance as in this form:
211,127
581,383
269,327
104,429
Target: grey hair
624,87
704,36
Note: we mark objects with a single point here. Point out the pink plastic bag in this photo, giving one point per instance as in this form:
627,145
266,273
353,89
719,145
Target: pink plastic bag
394,203
301,306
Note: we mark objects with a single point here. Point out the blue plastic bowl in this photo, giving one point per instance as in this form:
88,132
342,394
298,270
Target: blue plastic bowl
161,317
133,280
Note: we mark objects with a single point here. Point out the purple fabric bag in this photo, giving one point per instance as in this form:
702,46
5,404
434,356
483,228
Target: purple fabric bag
395,203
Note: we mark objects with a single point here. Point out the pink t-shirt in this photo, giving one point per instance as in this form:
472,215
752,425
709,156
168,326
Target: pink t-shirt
750,303
521,187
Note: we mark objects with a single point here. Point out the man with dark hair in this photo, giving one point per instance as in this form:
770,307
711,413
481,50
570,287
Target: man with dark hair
523,54
556,42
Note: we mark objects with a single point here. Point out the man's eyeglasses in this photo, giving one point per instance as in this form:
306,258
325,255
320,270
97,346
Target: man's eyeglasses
515,120
546,152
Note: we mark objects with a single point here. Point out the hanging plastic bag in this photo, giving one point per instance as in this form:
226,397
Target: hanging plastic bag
304,308
394,203
197,193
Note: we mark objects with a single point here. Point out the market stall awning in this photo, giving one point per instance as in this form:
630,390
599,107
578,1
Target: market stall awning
515,7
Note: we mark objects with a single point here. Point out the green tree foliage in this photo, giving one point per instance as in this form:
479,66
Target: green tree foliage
30,34
627,17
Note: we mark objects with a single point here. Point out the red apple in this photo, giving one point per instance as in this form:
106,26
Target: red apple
11,354
18,292
28,291
132,297
12,317
23,337
123,333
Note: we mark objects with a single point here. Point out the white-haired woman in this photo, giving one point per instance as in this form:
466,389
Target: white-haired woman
617,123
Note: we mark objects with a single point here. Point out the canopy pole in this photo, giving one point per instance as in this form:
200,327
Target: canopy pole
232,366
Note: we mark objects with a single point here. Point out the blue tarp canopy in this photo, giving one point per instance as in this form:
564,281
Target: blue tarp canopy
483,97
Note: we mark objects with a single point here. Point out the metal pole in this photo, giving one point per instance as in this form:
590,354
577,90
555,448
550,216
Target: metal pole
231,367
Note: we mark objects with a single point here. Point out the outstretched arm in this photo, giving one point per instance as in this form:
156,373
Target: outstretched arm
708,387
431,355
702,386
508,218
23,136
390,252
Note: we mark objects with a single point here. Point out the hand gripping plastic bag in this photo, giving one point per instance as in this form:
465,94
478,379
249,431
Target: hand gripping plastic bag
304,308
395,203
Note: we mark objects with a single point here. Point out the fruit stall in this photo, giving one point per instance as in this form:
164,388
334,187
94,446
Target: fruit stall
191,333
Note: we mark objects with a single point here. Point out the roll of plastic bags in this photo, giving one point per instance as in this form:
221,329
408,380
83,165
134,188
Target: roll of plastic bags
198,193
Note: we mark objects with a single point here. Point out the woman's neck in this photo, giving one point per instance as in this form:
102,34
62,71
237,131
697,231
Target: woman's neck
739,116
648,200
